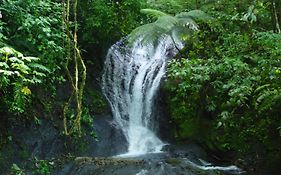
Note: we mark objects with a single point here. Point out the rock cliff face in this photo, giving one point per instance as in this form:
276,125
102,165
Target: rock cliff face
46,142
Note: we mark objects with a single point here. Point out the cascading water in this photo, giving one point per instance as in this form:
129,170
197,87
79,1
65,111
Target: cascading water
132,76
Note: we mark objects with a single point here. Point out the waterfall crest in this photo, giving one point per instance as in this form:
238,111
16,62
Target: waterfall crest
131,79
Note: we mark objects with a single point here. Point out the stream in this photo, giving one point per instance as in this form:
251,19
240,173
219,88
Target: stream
131,81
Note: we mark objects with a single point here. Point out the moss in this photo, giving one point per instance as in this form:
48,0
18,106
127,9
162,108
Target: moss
24,154
97,103
173,161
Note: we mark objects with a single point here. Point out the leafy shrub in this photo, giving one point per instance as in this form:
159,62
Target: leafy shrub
229,88
17,74
35,27
16,170
43,167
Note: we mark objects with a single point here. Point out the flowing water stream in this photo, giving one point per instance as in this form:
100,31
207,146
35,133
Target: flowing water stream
131,81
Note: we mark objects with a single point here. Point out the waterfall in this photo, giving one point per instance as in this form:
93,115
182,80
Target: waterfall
131,79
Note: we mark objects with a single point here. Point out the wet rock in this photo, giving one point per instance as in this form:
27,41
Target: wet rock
46,142
173,161
112,166
185,150
101,165
151,164
110,139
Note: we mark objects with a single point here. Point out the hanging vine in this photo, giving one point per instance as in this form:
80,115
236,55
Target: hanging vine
77,77
275,14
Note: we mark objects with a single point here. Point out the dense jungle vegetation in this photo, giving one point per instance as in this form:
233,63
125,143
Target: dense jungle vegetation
224,86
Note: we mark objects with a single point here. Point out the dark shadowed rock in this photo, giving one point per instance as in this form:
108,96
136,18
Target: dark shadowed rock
45,141
110,139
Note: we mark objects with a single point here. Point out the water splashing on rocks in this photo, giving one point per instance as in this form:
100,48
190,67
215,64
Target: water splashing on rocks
131,79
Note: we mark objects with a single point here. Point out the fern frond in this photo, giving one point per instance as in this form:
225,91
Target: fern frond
188,23
10,51
39,74
39,66
166,24
6,72
4,65
21,67
153,13
146,33
7,50
170,6
260,88
151,32
196,15
29,59
16,60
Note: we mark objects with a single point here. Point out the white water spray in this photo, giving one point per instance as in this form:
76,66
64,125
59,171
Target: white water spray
131,80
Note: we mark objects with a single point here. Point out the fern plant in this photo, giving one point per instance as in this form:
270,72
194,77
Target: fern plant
181,24
17,74
170,6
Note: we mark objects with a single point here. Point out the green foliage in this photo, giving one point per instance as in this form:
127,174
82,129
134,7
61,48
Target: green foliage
42,167
86,118
104,22
19,73
35,28
232,87
2,37
97,104
16,170
184,23
153,13
259,11
171,6
39,167
225,84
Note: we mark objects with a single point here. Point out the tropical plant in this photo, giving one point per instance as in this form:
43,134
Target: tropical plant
19,73
35,28
181,24
226,93
172,6
42,167
16,170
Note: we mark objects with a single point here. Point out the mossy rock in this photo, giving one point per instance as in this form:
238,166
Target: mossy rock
173,161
